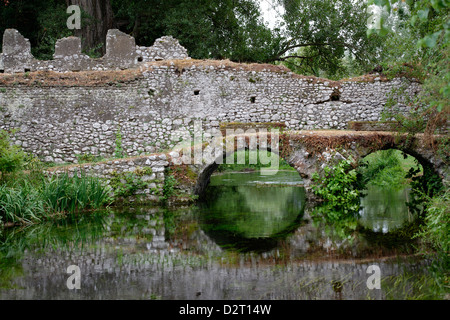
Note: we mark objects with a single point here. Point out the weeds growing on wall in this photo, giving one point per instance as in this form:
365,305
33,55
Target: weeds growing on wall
118,152
127,183
12,158
168,188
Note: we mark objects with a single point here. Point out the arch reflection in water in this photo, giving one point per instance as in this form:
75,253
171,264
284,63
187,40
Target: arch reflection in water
251,212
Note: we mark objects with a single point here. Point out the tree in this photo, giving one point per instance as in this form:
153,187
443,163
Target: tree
427,28
100,19
214,29
320,34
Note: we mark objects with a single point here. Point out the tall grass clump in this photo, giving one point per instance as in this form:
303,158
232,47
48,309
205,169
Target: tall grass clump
65,194
29,200
20,204
27,195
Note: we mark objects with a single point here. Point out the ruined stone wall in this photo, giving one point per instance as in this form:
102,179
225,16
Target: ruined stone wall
60,122
121,53
60,116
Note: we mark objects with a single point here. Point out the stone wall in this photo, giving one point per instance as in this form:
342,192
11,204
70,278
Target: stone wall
60,121
60,116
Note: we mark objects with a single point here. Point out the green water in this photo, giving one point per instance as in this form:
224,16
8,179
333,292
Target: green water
251,237
384,209
245,210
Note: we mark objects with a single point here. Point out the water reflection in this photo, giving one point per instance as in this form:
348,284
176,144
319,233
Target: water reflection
385,209
247,212
258,251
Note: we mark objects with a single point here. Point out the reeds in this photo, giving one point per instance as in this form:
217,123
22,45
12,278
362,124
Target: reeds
30,199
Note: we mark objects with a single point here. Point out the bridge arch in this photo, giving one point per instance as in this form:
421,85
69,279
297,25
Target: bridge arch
431,169
210,167
307,153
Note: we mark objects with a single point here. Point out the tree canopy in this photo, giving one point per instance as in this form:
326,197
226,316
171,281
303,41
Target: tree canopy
322,38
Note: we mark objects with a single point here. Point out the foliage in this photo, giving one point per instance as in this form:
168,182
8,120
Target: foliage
52,22
428,111
65,194
118,152
168,188
423,188
329,36
21,204
339,187
387,168
435,232
436,227
217,29
421,34
36,197
43,22
206,28
431,14
12,158
30,196
126,184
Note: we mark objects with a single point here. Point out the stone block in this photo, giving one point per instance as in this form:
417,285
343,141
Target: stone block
68,55
120,49
67,47
17,55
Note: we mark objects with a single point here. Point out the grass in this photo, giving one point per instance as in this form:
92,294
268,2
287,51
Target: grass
387,168
72,194
32,198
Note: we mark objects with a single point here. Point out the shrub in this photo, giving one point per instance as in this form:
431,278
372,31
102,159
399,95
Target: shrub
436,228
12,158
21,204
339,188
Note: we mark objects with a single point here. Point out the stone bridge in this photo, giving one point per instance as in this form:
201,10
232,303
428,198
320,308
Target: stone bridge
306,151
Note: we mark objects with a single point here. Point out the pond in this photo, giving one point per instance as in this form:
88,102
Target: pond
251,237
